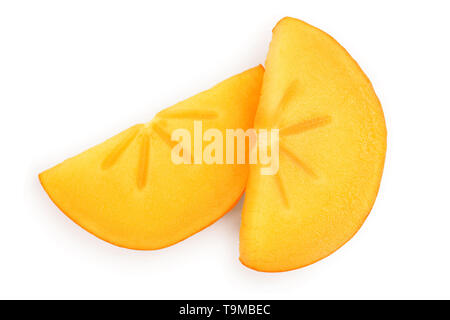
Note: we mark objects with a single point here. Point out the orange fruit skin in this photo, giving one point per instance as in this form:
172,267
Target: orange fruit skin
332,152
128,192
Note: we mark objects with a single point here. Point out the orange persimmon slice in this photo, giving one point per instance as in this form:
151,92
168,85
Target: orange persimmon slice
127,191
332,148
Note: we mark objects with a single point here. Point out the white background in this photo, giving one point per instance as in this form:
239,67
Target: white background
73,73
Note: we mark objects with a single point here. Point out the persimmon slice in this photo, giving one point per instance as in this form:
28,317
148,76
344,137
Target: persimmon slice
127,190
332,150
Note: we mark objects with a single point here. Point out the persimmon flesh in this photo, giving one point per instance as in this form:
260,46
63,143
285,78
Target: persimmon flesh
332,149
128,191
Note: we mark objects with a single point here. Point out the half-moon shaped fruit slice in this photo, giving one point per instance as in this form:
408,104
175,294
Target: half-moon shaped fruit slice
127,190
332,148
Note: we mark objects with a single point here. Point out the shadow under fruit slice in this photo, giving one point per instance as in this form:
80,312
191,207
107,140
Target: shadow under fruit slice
332,149
128,191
